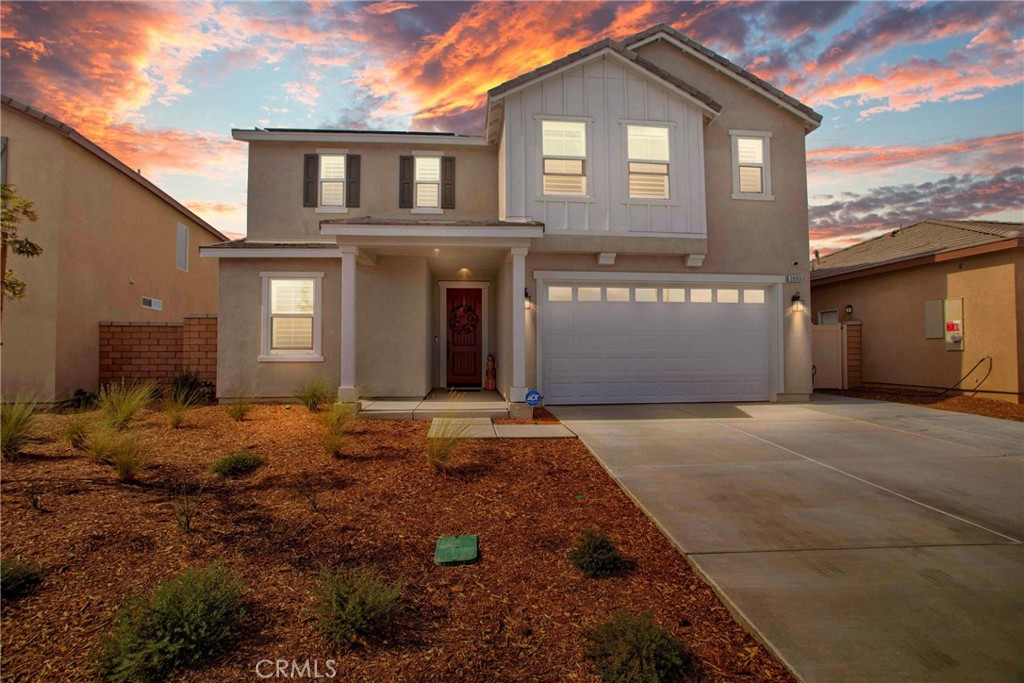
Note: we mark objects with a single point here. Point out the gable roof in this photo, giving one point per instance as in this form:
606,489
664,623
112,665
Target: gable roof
607,46
90,146
660,31
927,238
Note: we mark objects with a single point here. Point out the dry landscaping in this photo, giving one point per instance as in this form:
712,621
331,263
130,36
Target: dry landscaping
301,513
964,403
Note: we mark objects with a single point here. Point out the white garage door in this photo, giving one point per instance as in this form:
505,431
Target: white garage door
615,343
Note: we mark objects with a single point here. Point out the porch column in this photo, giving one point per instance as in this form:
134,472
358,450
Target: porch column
347,389
517,393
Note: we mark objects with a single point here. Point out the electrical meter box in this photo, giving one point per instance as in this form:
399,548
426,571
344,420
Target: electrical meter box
954,324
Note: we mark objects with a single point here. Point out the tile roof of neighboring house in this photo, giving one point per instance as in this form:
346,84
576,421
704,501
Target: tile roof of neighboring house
428,222
79,139
244,243
927,238
722,61
617,47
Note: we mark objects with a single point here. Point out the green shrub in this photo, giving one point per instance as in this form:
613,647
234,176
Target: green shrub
239,408
338,421
315,394
121,401
76,431
633,649
18,577
238,463
354,603
595,555
183,623
18,425
186,498
187,383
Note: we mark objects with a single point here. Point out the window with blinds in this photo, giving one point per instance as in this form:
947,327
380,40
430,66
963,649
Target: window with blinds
751,168
564,150
332,180
648,149
292,310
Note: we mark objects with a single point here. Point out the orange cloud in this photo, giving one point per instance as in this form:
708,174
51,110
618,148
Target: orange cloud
980,155
387,7
201,207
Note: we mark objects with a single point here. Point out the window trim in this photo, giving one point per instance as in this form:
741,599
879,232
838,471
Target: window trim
821,316
416,183
331,208
669,127
266,353
588,148
765,165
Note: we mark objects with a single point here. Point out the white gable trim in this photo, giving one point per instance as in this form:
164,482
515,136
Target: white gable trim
811,123
608,52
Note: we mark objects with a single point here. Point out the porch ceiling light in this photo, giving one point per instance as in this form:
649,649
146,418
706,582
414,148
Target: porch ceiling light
527,301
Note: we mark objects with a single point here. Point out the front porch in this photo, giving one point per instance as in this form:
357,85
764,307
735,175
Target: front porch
438,403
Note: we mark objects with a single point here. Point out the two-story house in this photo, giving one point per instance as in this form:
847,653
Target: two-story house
632,227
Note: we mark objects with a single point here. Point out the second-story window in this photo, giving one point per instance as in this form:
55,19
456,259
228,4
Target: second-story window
428,182
564,148
648,150
332,180
751,168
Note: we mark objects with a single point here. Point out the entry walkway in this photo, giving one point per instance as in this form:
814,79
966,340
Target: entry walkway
438,403
862,541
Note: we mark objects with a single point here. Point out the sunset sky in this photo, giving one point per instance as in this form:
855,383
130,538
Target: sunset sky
923,101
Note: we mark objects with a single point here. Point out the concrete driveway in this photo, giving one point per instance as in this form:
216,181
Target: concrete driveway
862,541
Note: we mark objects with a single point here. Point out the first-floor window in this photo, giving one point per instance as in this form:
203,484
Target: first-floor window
291,316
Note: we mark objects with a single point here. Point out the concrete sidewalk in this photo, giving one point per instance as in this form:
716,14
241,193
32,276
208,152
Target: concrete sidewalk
862,541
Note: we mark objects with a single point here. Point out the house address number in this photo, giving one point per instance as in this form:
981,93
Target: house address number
794,278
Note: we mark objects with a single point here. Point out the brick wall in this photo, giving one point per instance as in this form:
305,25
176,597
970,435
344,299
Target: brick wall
199,346
157,351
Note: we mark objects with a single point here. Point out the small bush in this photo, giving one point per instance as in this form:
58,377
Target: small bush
445,436
178,404
76,431
183,623
119,450
18,577
121,401
186,498
595,555
17,425
239,408
338,422
238,463
315,394
187,383
354,603
633,649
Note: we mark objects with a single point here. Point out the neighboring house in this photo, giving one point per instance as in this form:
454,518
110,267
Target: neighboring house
115,248
935,299
621,233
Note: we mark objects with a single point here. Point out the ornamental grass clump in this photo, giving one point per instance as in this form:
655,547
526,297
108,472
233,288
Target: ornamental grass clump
18,425
120,450
183,623
595,555
186,497
237,464
178,403
239,408
354,603
76,431
338,422
630,648
446,435
121,401
18,577
314,394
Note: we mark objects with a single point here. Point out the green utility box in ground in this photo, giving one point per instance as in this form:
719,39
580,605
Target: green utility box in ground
452,551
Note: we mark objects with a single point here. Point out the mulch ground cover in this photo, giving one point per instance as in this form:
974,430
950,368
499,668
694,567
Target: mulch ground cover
516,615
958,404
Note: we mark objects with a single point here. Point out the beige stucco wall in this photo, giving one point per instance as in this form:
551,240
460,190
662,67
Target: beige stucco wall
393,339
891,308
275,208
107,242
239,370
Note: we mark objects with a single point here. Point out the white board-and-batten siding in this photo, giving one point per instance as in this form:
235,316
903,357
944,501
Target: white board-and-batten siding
607,96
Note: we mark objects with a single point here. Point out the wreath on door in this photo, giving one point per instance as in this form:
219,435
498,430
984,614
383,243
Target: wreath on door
463,319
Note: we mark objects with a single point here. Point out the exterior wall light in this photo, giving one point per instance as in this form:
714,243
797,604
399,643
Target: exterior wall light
527,301
849,309
798,303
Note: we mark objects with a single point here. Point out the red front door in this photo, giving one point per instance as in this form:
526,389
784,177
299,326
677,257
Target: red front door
464,327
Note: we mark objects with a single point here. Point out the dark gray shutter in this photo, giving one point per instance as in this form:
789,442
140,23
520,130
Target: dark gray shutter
447,182
3,160
352,163
405,182
310,179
